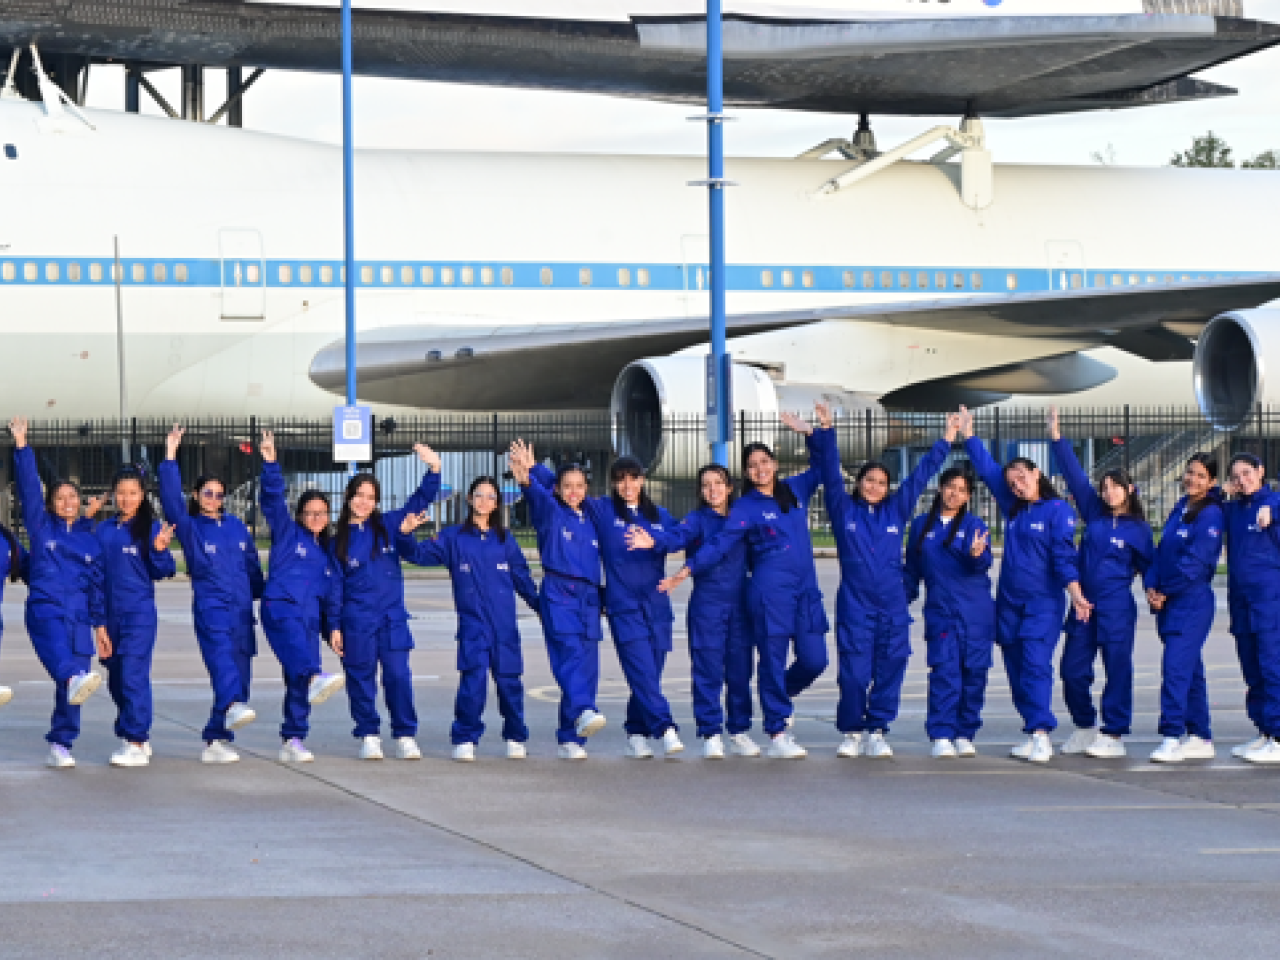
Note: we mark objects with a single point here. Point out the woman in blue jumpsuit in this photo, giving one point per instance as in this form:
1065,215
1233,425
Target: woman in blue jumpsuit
488,569
640,616
1180,591
872,624
1116,547
65,604
783,600
375,628
949,550
1039,564
302,599
13,567
226,578
135,550
570,599
721,646
1253,597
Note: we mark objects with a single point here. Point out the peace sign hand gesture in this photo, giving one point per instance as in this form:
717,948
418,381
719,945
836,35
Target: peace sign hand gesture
267,446
979,545
163,538
412,521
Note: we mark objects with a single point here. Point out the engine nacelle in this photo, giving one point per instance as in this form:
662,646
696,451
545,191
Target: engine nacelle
658,404
1237,366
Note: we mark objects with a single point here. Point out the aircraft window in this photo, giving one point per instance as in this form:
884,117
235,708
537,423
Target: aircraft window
286,273
342,274
182,275
957,281
486,276
508,276
546,276
51,271
446,276
642,276
788,278
1076,280
11,151
388,275
464,353
1168,278
1150,278
116,273
922,280
428,275
1117,280
886,279
253,273
1011,281
766,278
158,273
975,281
1134,279
7,271
584,276
406,276
904,280
468,275
624,277
849,278
30,272
304,273
1099,279
806,278
95,272
434,355
868,279
1185,278
366,274
326,274
73,272
140,273
940,281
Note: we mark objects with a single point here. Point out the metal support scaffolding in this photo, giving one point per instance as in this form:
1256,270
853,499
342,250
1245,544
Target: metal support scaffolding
234,106
132,90
193,93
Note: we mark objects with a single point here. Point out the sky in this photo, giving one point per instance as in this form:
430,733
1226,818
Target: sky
402,114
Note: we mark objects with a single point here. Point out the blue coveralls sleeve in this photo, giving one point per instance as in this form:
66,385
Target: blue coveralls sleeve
331,599
97,594
684,534
521,578
171,500
24,564
1087,500
991,474
903,500
422,553
34,515
713,551
983,561
1144,551
271,499
1065,568
160,564
912,565
806,484
543,476
1199,562
424,496
253,567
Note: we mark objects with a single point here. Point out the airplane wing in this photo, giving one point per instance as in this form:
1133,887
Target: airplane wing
564,367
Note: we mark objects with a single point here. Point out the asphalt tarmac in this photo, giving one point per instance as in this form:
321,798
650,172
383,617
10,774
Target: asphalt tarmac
909,857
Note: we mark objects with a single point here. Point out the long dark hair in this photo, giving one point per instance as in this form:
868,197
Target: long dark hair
564,470
51,492
862,472
1250,459
496,523
724,475
15,558
1045,488
631,467
1132,503
193,505
342,532
142,522
1210,464
935,510
782,492
308,497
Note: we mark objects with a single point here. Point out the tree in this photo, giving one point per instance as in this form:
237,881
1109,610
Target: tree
1209,150
1267,160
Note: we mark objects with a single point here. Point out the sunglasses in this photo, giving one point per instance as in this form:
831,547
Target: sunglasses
213,494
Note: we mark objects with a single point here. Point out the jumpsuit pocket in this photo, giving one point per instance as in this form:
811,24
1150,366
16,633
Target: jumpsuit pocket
858,637
979,654
812,615
573,619
82,643
399,637
473,647
507,660
709,627
940,647
898,646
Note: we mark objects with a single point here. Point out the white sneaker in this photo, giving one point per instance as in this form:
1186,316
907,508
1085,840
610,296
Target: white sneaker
1269,752
851,746
6,694
219,752
571,751
81,687
878,747
588,723
1081,740
965,748
371,748
239,715
1107,747
130,755
783,746
146,748
407,748
638,747
713,748
295,751
943,750
1257,742
1193,748
516,750
60,757
464,752
671,742
1041,748
323,686
1169,751
741,745
1023,750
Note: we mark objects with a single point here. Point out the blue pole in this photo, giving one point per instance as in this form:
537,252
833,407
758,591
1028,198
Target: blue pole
715,159
348,205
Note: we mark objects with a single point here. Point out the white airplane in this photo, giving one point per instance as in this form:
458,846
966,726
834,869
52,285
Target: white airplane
498,281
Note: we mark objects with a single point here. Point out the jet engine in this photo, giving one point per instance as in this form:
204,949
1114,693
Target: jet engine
1237,366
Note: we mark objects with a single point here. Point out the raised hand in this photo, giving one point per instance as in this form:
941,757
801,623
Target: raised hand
173,441
18,427
522,453
979,544
798,424
412,521
966,422
638,538
822,411
92,506
1055,432
267,446
1264,518
163,538
953,428
427,456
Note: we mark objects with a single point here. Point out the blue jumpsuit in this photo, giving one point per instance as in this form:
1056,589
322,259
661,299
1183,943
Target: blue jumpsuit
130,570
226,577
640,617
66,601
783,599
375,630
872,623
1113,551
303,592
487,574
721,642
959,621
24,568
1253,596
1039,563
569,603
1186,560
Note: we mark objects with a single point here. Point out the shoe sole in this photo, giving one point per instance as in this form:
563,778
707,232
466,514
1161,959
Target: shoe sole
464,759
5,696
713,756
848,756
284,759
945,756
517,756
1040,760
582,757
746,756
89,688
59,766
243,722
373,757
879,756
220,761
671,750
639,756
591,729
1105,756
966,756
411,756
1168,759
791,756
127,764
327,692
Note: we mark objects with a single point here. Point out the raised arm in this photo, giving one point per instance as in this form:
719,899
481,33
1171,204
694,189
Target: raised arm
429,489
521,578
822,447
30,492
271,493
986,468
423,553
253,566
903,500
1086,497
171,499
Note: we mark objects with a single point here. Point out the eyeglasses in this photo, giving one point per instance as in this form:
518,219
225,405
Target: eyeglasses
213,494
484,495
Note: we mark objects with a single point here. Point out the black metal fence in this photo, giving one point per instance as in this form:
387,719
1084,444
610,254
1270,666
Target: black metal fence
1152,444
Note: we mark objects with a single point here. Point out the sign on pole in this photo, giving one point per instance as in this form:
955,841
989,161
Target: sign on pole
353,434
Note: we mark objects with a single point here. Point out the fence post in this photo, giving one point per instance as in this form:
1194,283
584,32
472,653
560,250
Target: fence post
998,454
253,481
1127,433
870,435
